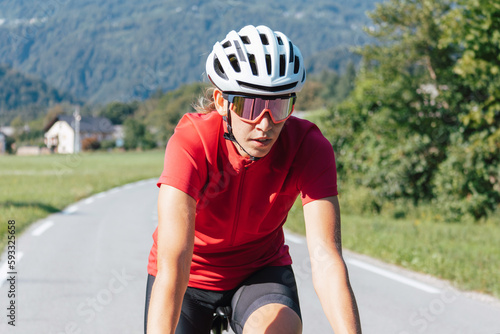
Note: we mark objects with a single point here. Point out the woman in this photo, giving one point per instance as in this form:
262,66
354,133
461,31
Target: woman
230,177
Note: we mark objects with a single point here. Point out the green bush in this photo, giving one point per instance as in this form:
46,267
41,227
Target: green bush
422,124
466,184
137,135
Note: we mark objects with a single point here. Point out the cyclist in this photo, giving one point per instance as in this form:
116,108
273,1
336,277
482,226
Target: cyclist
230,176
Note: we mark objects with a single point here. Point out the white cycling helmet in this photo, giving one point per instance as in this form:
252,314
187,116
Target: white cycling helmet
256,61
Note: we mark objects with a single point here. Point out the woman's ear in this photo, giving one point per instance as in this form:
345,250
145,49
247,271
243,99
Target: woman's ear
220,102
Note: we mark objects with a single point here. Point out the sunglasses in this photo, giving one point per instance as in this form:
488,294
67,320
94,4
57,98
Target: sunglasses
251,108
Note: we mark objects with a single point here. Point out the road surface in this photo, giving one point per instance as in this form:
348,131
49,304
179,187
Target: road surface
84,271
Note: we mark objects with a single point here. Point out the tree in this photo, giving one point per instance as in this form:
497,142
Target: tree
309,97
137,136
328,88
18,124
423,120
398,115
53,113
469,180
118,112
161,115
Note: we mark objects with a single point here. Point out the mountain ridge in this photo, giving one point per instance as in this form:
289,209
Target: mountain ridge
120,50
25,95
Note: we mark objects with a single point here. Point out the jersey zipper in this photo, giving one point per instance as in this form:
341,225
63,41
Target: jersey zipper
237,215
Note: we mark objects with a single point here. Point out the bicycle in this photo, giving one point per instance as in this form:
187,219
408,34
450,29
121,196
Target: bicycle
221,319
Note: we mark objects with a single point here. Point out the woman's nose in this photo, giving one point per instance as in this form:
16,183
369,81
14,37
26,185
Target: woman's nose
266,122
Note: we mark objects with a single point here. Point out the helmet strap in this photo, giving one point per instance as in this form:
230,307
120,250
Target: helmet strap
230,136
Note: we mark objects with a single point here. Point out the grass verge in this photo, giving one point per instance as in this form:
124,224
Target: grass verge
33,187
465,254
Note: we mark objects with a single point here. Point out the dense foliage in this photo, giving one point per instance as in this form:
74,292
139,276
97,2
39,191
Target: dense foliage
417,126
423,122
469,179
111,50
24,96
325,89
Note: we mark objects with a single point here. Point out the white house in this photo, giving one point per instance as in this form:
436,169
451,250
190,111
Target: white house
60,133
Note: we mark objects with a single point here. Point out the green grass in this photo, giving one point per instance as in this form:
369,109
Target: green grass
33,187
465,254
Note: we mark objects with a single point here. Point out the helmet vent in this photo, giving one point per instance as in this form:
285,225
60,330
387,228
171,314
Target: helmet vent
291,52
297,65
268,63
234,63
253,65
280,41
264,40
219,69
226,45
282,65
245,39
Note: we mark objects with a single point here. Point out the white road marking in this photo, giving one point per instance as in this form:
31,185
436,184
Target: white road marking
4,269
70,210
114,191
42,228
100,195
393,276
89,200
399,278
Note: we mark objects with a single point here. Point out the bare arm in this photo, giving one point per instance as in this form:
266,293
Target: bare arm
176,213
330,277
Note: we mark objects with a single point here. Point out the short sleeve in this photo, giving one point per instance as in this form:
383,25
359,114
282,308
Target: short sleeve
318,177
184,166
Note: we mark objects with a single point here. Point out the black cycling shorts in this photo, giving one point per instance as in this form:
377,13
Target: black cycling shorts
266,286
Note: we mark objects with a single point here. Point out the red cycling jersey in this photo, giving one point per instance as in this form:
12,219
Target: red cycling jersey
242,204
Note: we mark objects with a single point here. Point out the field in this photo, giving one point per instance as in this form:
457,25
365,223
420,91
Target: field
36,186
465,254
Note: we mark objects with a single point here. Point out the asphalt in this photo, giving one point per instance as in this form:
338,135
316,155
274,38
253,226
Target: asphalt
84,271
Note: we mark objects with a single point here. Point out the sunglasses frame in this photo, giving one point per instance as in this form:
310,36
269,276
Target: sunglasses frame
230,98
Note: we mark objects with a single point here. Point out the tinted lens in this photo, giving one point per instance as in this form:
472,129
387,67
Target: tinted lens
281,108
250,108
244,107
238,104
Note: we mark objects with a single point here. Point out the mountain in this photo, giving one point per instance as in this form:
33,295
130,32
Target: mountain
122,50
26,96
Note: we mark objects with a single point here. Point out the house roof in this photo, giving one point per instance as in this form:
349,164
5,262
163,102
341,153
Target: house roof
87,124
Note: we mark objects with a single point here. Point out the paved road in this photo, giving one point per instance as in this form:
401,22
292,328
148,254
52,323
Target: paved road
84,271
